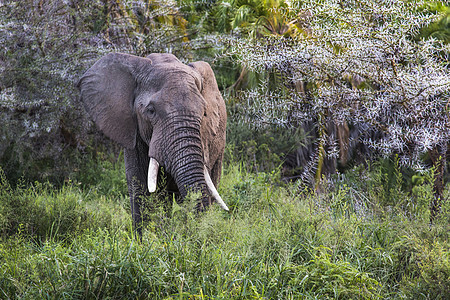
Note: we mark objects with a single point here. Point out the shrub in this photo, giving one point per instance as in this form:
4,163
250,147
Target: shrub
367,73
277,243
41,211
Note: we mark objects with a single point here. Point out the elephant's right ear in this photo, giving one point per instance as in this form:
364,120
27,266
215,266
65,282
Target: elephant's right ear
107,92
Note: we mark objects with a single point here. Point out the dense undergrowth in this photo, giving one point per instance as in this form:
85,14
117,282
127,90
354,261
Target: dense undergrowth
364,234
351,240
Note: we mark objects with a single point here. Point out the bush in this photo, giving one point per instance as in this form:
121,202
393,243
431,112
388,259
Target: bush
425,268
260,149
278,242
45,48
104,173
41,211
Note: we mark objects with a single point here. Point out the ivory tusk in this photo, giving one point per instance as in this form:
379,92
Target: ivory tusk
153,168
213,191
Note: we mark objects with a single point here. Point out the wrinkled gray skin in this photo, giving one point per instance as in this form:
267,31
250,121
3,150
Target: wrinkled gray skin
157,107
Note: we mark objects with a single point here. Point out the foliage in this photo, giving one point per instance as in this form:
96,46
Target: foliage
440,29
277,243
40,55
259,149
359,67
40,211
259,18
104,175
362,234
365,71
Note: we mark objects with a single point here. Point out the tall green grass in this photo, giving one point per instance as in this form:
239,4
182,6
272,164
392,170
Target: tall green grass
278,242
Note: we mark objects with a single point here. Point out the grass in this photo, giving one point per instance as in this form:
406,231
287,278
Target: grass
280,241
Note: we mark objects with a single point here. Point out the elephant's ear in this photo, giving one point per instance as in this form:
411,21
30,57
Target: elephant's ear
107,92
209,84
215,122
210,91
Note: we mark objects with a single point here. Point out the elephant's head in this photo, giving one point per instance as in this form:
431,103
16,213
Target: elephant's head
175,109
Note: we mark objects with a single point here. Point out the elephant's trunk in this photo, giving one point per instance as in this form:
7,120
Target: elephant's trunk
187,166
183,155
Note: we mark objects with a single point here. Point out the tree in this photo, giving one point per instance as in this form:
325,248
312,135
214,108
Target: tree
440,29
361,66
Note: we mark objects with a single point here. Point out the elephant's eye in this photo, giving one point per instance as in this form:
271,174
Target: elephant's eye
151,110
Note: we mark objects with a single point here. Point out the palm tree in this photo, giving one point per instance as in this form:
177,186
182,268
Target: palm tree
441,29
260,18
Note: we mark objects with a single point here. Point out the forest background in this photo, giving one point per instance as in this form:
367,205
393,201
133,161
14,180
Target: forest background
336,161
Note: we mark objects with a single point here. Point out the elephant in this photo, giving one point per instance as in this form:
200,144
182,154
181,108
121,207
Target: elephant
168,116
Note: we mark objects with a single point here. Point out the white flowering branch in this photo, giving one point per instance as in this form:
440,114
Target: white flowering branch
361,64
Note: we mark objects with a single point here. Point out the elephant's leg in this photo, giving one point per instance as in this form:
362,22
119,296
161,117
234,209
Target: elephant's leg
136,164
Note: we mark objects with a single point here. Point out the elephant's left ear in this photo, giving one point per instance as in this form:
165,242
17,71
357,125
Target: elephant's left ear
213,125
209,84
209,89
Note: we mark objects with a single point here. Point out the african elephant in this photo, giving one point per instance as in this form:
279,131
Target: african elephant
165,114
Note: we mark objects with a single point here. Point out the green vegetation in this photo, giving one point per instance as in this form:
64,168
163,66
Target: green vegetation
279,241
65,224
